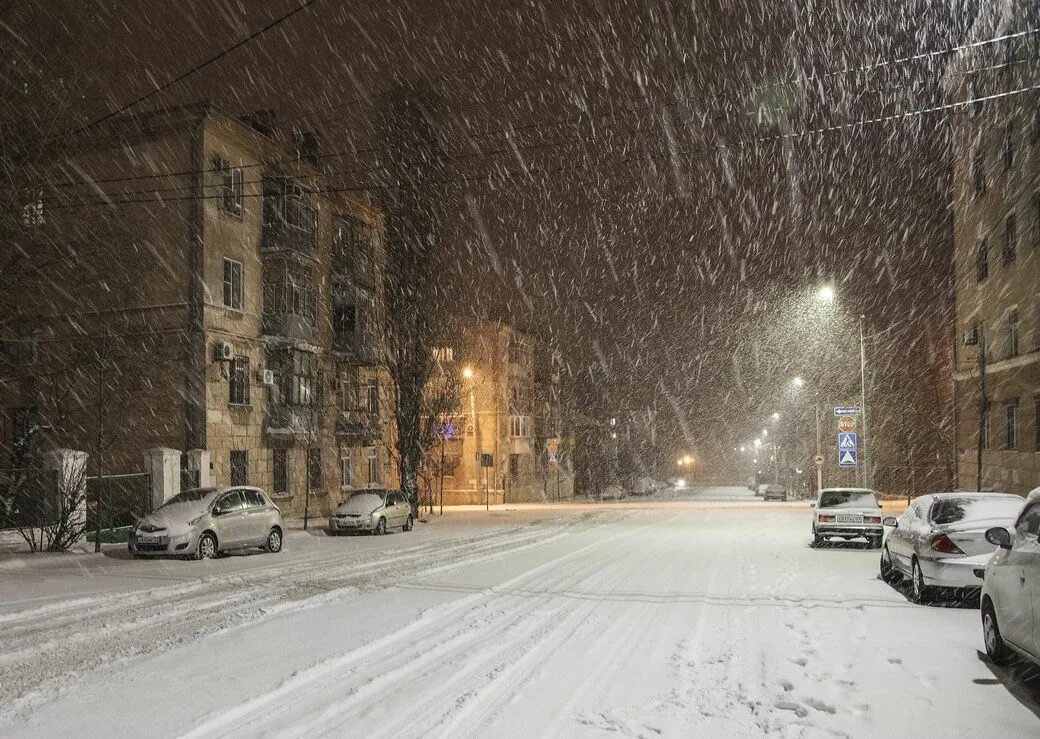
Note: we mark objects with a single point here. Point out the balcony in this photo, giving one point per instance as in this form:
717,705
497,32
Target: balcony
288,421
289,325
283,235
356,347
358,426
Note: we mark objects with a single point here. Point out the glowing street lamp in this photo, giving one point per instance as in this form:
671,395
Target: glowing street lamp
826,294
467,373
798,382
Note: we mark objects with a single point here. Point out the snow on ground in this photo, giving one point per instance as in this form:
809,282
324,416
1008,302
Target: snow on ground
680,618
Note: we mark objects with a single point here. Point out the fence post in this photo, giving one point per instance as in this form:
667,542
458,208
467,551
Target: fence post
198,459
70,467
164,466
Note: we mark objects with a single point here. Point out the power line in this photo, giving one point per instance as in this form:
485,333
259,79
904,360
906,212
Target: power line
530,173
304,4
542,124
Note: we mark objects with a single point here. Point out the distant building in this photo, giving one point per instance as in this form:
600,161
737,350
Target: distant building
996,159
219,296
507,441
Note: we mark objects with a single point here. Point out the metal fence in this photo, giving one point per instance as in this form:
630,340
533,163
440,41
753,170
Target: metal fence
28,498
189,479
120,499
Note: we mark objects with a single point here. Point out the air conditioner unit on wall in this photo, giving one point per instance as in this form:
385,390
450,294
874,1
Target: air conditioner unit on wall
266,377
224,351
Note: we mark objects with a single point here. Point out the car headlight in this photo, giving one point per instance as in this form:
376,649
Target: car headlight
194,521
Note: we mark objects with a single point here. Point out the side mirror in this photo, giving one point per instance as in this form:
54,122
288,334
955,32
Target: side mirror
890,521
999,536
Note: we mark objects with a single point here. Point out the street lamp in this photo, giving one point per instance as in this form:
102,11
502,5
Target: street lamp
826,294
467,373
798,382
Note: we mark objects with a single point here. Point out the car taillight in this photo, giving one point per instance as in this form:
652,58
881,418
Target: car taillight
826,519
872,519
943,543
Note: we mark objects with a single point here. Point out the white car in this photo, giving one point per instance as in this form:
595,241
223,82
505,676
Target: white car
940,540
1011,587
847,513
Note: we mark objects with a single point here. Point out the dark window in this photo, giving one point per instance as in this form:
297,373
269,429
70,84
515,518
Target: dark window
514,464
238,384
232,284
1008,146
315,478
978,171
289,289
298,381
344,318
372,396
1010,252
231,501
254,499
348,391
231,187
1012,333
280,482
288,215
981,261
1011,426
239,467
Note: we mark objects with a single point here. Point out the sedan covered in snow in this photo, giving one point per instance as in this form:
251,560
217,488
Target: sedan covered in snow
1011,587
372,511
203,522
940,540
847,513
774,491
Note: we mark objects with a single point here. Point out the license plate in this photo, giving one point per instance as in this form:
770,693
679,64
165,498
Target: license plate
848,518
147,539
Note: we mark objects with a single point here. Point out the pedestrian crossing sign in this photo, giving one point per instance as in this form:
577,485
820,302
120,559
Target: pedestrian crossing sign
847,441
847,458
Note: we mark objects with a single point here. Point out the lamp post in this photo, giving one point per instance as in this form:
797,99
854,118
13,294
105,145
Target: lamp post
799,383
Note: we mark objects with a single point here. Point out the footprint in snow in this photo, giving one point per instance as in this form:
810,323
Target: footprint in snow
798,709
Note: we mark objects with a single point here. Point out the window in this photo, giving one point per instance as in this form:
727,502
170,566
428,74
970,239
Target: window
232,501
300,382
315,478
1028,523
254,499
239,467
1012,333
346,472
1010,239
444,354
1036,423
372,462
348,391
514,464
1008,146
289,290
353,248
344,318
1011,425
288,215
280,481
981,261
232,284
978,171
984,431
33,213
519,426
231,187
238,384
372,396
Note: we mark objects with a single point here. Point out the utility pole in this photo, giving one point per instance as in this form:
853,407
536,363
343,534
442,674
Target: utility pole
983,408
867,474
819,450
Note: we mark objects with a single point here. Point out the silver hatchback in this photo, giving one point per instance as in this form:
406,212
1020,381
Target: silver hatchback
202,522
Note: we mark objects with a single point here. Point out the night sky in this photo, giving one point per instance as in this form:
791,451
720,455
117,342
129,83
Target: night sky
656,192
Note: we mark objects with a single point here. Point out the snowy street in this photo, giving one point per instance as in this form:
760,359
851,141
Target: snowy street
641,618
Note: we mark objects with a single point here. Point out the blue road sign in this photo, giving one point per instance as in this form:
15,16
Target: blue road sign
846,441
852,410
847,458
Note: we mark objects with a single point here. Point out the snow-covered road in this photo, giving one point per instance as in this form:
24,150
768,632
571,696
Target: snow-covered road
646,619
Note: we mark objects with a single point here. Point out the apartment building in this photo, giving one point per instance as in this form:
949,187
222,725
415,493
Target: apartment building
211,292
995,147
507,441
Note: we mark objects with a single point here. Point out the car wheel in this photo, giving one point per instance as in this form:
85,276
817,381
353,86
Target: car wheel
888,571
207,547
995,646
919,592
407,524
274,541
381,527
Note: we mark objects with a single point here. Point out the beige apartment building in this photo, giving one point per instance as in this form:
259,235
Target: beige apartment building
212,293
507,441
996,160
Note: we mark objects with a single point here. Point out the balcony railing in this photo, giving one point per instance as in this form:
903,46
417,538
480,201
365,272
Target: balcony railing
359,347
280,234
290,421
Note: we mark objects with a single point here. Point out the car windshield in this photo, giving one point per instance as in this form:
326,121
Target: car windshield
363,502
974,508
848,499
190,496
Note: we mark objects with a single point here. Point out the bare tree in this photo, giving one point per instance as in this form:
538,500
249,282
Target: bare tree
55,500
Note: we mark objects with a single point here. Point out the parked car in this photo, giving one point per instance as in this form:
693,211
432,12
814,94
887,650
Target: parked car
203,522
1011,587
774,492
612,492
644,486
848,513
373,511
940,540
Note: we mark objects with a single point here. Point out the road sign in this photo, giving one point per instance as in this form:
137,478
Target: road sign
846,441
846,424
851,410
846,457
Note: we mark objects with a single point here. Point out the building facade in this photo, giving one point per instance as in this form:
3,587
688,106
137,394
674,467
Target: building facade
996,162
215,294
506,442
